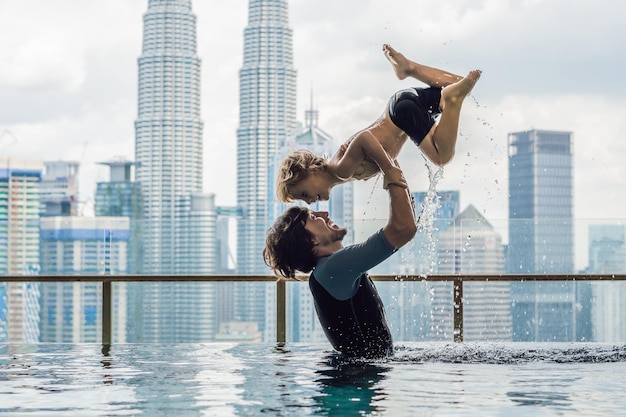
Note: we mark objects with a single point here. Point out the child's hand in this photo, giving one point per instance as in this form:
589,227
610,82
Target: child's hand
342,150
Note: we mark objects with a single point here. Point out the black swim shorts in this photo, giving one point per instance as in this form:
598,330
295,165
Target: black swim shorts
414,110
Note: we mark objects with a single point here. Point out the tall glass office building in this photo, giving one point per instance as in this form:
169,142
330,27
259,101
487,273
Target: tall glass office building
19,248
541,234
168,154
267,106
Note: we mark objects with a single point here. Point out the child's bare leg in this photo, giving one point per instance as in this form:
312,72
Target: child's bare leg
404,68
440,143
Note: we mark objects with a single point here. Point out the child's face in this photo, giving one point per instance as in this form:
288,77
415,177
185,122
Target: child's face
315,187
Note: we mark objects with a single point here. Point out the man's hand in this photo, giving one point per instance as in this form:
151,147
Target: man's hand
401,227
394,176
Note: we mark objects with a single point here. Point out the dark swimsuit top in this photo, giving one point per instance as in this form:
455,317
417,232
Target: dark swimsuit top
346,301
356,326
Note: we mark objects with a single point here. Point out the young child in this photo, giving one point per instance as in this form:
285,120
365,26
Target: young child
409,113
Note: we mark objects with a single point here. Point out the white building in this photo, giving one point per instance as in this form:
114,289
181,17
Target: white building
471,247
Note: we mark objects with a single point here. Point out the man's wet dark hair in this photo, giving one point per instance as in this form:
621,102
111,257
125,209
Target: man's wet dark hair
288,245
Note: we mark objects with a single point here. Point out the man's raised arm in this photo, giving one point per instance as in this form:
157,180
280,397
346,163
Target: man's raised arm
401,226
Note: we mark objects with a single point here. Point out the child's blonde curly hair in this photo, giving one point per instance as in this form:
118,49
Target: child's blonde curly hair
294,168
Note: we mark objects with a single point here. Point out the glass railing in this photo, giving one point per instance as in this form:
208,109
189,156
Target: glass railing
473,307
473,280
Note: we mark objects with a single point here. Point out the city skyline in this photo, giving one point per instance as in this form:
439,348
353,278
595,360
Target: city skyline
160,71
81,92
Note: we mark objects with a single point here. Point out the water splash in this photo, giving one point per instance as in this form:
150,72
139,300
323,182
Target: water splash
369,198
509,353
428,208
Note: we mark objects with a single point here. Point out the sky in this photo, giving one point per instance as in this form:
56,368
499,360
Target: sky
68,85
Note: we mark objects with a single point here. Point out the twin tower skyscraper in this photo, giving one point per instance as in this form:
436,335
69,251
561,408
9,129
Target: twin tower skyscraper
169,132
178,217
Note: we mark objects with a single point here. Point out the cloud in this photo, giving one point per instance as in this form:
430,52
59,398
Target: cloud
69,69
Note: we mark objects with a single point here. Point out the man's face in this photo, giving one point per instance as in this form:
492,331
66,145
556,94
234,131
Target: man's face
314,187
323,229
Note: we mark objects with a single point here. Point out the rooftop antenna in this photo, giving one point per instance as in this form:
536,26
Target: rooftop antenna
311,114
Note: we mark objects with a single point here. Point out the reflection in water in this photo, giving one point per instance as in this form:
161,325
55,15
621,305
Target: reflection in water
541,387
349,388
307,380
107,378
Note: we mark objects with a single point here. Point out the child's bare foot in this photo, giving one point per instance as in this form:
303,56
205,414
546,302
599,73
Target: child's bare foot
398,61
456,93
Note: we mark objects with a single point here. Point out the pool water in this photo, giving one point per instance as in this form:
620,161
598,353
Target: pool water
421,379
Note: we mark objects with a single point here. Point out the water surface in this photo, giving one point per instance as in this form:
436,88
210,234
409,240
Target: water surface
433,379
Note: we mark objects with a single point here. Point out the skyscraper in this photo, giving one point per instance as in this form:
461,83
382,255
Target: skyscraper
472,246
59,188
419,310
168,153
168,129
267,115
71,312
121,197
607,255
19,248
541,234
267,83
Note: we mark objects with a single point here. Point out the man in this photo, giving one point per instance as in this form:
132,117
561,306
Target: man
346,300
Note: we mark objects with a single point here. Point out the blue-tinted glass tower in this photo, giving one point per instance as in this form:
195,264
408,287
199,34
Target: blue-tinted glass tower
541,235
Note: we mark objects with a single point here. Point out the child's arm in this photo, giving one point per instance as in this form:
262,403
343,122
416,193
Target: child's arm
365,145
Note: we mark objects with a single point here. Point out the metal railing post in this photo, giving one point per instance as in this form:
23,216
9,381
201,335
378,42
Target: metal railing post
281,312
457,291
106,312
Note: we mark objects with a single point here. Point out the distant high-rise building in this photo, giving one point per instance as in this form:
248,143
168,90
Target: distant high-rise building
607,249
121,197
541,234
267,115
302,322
225,292
179,221
71,312
471,247
19,248
59,188
413,314
436,211
607,255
